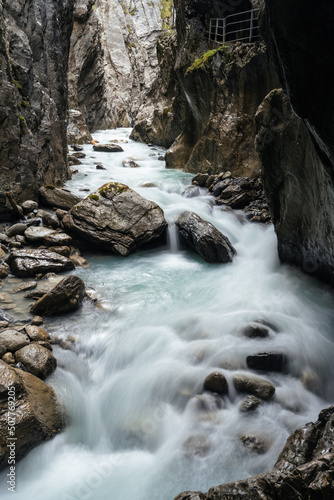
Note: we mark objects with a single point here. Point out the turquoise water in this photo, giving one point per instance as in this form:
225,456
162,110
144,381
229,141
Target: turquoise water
130,387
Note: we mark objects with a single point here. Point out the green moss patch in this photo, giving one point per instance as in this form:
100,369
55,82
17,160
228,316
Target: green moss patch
112,188
205,58
94,197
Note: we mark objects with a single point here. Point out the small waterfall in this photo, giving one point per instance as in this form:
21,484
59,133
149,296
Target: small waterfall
173,238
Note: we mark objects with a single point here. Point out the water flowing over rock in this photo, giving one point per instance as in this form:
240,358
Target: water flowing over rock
65,297
304,469
33,100
117,219
40,417
203,237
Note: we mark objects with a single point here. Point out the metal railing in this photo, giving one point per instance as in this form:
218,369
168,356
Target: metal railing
240,27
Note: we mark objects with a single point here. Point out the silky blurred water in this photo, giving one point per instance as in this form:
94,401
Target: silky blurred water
130,386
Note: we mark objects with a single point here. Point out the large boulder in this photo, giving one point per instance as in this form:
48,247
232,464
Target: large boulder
116,218
65,297
204,238
38,416
37,360
58,198
31,262
304,469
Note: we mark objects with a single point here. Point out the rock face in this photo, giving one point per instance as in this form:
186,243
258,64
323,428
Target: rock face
203,237
116,218
304,469
65,297
113,62
296,204
25,263
38,416
34,46
197,107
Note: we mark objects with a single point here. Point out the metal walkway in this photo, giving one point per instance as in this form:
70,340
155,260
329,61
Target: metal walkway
240,27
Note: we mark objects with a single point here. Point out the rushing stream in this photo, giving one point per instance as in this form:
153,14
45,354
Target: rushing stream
137,429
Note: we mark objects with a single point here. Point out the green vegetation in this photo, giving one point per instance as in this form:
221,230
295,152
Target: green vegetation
166,9
24,104
201,61
94,197
112,188
15,82
166,111
94,7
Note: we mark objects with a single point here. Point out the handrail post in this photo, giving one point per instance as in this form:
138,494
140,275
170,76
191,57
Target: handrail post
216,32
251,26
224,30
210,28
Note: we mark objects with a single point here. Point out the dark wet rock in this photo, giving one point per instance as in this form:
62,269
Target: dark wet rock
191,192
203,237
12,340
149,185
45,344
78,261
37,360
197,446
3,272
254,385
249,404
36,333
200,179
79,154
65,297
268,361
31,262
255,444
216,382
29,206
58,198
117,219
23,287
50,220
130,164
62,250
75,147
100,167
5,316
73,160
255,331
61,213
37,321
35,294
108,148
57,238
18,228
268,324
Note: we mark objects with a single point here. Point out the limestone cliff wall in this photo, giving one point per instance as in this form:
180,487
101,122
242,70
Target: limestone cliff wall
204,103
34,45
113,61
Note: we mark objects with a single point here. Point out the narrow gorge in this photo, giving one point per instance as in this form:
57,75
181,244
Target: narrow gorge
166,246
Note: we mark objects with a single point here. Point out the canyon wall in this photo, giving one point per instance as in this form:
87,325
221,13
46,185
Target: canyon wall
34,45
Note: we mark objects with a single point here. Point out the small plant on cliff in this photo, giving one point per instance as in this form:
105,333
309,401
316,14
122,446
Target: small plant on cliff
201,61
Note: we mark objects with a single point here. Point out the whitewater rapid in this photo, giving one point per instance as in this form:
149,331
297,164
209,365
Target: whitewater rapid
130,385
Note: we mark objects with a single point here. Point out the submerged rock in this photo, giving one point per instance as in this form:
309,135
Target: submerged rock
216,382
254,385
203,237
268,361
304,469
117,219
31,262
38,413
130,164
65,297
